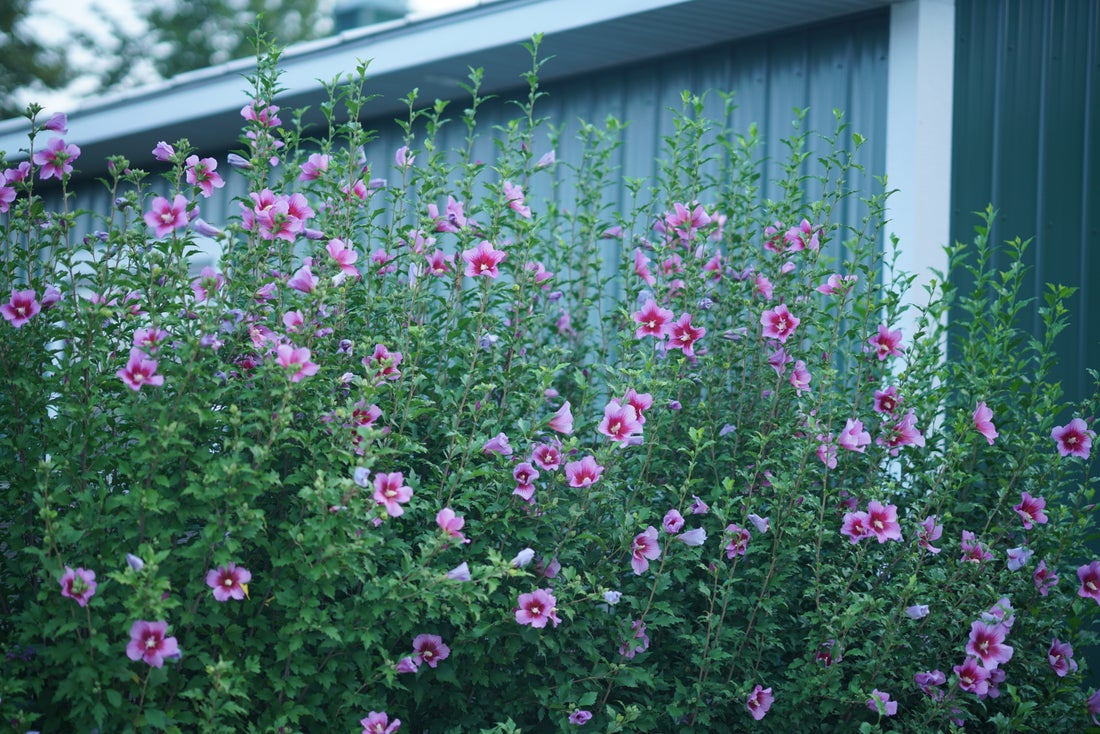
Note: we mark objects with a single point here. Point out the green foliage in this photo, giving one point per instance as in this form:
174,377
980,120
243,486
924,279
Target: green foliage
276,468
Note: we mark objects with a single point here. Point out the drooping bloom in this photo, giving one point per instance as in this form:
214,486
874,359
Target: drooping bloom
78,585
853,437
643,549
202,172
537,608
800,379
498,444
379,723
1060,656
148,643
1044,578
682,335
836,284
56,160
562,420
629,648
983,422
641,267
403,158
483,260
673,521
523,558
314,167
881,704
972,550
304,280
454,218
229,581
779,323
451,524
759,701
882,520
762,524
344,256
804,236
430,650
737,540
165,216
929,533
1030,510
513,196
297,359
140,370
383,363
698,506
580,717
917,611
929,683
209,282
22,307
1093,704
886,343
461,572
1089,576
903,433
694,537
620,422
391,492
1074,438
407,665
652,320
987,644
583,473
1018,557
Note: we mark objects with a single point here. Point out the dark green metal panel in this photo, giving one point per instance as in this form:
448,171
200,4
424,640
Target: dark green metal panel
1027,139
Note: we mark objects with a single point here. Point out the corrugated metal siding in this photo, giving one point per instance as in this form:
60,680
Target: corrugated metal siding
837,65
834,65
1027,139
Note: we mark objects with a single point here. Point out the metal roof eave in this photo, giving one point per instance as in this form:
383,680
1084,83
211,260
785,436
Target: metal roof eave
432,54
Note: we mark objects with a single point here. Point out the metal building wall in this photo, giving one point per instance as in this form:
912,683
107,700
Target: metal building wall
1027,140
839,65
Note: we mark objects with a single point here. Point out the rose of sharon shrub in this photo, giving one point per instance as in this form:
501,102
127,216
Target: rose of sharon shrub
455,485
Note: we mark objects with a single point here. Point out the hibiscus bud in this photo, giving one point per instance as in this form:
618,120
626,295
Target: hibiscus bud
134,562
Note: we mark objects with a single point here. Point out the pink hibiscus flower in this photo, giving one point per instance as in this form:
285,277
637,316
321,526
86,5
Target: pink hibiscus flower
987,644
883,521
78,585
379,723
1074,438
202,172
779,323
22,307
983,422
547,455
620,422
229,581
165,216
148,643
430,650
295,361
140,370
973,677
562,420
682,335
643,549
482,261
1089,575
583,473
1030,510
652,320
886,343
853,437
759,702
451,524
391,492
537,608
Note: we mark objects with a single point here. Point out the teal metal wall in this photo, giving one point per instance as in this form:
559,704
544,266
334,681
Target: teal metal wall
1027,140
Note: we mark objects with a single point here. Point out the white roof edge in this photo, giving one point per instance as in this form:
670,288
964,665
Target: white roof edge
222,88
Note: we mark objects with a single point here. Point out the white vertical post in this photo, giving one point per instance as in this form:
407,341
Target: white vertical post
918,139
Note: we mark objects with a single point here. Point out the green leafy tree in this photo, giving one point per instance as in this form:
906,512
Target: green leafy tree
25,61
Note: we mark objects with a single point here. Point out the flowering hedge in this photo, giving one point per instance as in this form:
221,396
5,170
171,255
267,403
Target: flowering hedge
443,455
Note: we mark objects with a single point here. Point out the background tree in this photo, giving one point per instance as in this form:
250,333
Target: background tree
24,60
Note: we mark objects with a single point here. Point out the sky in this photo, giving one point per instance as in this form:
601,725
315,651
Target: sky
59,21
